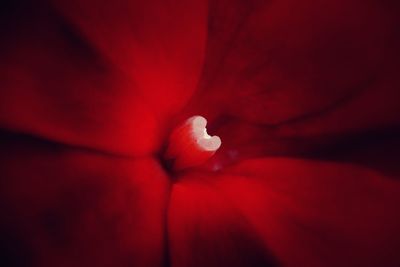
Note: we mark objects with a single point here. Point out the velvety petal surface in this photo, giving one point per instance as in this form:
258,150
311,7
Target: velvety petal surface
96,74
205,229
68,207
295,78
301,71
304,213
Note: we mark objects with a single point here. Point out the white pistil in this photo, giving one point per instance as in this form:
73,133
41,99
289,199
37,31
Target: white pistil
200,135
190,144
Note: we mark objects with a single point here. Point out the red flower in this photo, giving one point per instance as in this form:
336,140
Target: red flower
304,95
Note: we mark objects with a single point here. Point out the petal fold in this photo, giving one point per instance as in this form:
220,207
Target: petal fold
65,207
312,213
99,75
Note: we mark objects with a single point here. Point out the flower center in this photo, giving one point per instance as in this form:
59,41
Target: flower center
190,145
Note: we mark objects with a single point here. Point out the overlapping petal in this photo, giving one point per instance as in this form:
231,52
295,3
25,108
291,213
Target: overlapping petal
307,71
66,207
305,213
277,78
101,75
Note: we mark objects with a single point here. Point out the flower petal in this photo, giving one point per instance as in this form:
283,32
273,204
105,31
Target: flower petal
303,213
305,67
65,207
314,213
206,230
99,75
159,44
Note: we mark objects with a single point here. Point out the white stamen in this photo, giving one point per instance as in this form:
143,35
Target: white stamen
203,139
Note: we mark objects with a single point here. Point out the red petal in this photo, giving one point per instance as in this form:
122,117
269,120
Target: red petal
307,67
63,207
101,75
304,213
159,44
205,229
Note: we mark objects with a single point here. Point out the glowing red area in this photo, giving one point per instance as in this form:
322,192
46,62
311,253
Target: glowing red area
303,94
113,84
304,213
